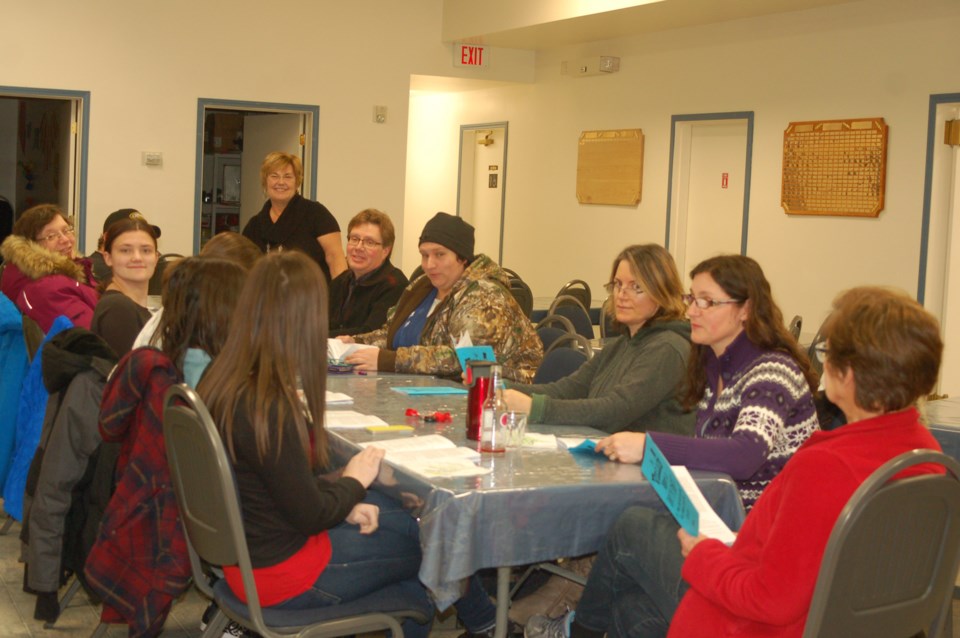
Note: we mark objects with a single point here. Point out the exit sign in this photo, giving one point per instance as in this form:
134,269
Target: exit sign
474,55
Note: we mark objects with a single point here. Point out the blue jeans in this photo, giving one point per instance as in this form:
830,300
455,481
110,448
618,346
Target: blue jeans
361,564
635,585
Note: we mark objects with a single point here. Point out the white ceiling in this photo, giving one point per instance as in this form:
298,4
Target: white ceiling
646,18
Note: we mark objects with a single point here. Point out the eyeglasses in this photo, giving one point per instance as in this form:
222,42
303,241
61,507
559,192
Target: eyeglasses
822,351
705,302
57,234
368,243
286,177
616,287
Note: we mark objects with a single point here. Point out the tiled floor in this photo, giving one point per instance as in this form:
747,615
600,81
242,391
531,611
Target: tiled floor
80,618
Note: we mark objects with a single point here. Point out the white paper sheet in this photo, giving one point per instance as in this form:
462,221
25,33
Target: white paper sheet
710,523
348,419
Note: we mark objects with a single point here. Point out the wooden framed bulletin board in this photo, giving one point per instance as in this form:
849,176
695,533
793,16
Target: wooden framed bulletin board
610,167
834,167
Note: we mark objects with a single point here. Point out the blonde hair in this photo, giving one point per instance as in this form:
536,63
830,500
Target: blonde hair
275,161
656,273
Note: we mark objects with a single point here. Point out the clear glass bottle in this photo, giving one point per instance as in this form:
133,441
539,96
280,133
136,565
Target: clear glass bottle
491,434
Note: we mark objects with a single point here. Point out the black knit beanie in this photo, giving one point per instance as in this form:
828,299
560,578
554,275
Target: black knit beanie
451,232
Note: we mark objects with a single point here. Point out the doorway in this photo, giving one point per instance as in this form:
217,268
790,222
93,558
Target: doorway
43,150
481,184
708,186
939,264
232,139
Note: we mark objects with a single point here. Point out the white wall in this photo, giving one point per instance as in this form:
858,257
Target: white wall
877,58
146,65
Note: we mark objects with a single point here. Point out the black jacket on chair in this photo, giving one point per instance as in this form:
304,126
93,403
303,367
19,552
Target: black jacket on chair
361,306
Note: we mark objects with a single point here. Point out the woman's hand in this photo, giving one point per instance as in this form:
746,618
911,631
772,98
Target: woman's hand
365,465
518,401
345,339
625,447
364,359
688,542
366,515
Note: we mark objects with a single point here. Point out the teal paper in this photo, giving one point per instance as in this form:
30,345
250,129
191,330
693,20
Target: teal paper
426,390
475,353
588,446
657,470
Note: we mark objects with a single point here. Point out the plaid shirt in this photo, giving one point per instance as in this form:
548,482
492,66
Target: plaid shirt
139,563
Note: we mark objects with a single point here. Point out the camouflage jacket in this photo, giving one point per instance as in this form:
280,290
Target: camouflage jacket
480,304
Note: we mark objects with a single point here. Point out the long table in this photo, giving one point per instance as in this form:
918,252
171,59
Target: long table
535,505
943,417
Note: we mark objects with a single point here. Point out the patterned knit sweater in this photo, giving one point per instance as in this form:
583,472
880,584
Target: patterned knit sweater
754,425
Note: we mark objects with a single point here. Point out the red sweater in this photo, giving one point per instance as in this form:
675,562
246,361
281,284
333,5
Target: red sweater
763,584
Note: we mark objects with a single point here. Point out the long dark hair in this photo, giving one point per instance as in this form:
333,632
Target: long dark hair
277,337
199,298
742,278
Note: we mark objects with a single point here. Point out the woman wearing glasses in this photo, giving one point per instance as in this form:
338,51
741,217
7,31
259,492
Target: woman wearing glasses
751,383
42,274
752,387
361,296
633,383
289,221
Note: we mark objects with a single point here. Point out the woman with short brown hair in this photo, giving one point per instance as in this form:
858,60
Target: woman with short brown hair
43,275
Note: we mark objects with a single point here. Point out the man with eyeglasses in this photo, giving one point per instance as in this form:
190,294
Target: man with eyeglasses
361,296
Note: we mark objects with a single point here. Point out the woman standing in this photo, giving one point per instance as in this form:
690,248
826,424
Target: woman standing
632,384
130,250
289,221
42,274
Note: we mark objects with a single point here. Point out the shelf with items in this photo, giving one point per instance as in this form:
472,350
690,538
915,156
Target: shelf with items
220,209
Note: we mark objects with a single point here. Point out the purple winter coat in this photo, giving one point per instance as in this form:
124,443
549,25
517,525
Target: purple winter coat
44,284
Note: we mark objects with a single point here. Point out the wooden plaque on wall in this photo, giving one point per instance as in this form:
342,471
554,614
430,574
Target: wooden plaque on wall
610,167
834,167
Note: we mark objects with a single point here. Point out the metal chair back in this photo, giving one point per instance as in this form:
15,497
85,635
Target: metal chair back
572,309
579,290
891,561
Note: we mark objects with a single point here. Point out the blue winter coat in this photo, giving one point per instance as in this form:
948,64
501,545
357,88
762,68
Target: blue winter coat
33,405
13,368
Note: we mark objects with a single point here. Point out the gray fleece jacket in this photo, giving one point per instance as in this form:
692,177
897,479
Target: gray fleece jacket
629,385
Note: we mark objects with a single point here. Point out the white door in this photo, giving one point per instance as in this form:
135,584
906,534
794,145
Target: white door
480,202
265,133
708,190
942,296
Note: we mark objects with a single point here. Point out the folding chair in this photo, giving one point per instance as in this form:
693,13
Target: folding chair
576,312
579,290
562,360
891,561
210,510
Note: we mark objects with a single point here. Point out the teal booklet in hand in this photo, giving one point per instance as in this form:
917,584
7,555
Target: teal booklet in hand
474,353
657,470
